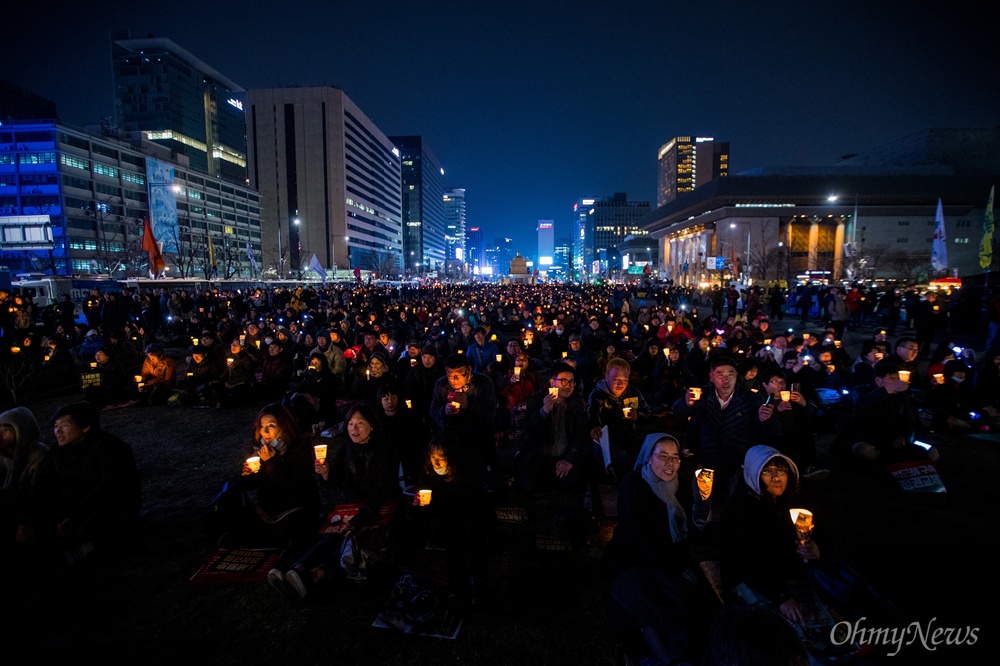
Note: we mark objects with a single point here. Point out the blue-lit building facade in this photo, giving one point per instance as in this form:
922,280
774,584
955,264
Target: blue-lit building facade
581,258
609,221
74,202
180,102
454,212
475,250
422,204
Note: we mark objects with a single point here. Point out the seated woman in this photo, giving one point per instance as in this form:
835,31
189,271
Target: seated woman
277,505
457,514
759,538
313,397
766,558
203,369
276,371
953,402
657,592
159,376
114,386
365,467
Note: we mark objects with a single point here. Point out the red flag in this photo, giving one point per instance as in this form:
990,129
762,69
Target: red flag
736,270
149,244
645,270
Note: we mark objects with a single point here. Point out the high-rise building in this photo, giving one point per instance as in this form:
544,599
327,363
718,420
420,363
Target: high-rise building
546,243
502,253
329,181
423,205
177,100
562,259
581,258
74,202
475,249
609,221
454,215
685,163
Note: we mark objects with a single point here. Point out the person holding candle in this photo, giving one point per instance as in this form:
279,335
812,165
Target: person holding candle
419,385
620,406
311,395
482,352
114,385
661,604
465,402
363,465
953,401
238,377
278,505
884,424
725,421
556,443
760,547
456,513
159,376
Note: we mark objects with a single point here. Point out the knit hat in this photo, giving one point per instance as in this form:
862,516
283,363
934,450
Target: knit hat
575,337
430,350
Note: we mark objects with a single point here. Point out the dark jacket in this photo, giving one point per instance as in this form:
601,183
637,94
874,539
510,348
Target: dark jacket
720,437
368,473
540,431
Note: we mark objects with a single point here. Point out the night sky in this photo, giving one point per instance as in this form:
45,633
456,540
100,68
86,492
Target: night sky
532,105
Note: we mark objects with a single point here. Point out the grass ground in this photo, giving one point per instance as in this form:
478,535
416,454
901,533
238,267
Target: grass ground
933,554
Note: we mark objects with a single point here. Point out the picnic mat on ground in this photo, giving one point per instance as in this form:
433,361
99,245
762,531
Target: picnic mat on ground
236,565
420,607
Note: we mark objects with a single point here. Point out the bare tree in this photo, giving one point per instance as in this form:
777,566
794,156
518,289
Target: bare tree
381,263
905,266
276,260
185,256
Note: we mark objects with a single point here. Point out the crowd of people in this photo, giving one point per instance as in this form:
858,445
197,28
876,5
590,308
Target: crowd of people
699,407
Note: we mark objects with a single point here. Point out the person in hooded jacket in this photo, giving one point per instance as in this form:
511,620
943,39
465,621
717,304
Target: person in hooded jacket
760,546
276,371
660,602
27,476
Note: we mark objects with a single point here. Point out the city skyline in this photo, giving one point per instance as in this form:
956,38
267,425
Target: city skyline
531,107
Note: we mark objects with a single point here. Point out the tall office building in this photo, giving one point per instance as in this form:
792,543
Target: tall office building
581,258
73,202
317,158
685,163
475,249
177,100
562,259
423,205
454,215
500,254
609,221
546,243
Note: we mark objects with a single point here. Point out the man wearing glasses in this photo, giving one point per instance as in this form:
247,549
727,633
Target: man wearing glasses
726,420
620,406
556,435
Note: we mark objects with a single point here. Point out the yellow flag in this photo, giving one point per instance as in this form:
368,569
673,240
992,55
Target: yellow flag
211,251
986,244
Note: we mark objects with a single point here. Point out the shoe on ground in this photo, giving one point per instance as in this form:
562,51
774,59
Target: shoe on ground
813,473
276,579
293,579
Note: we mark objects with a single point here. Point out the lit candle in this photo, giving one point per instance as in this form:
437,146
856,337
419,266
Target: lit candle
93,365
138,378
904,375
499,357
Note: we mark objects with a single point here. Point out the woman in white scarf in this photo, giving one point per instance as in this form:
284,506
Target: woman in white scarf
658,593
